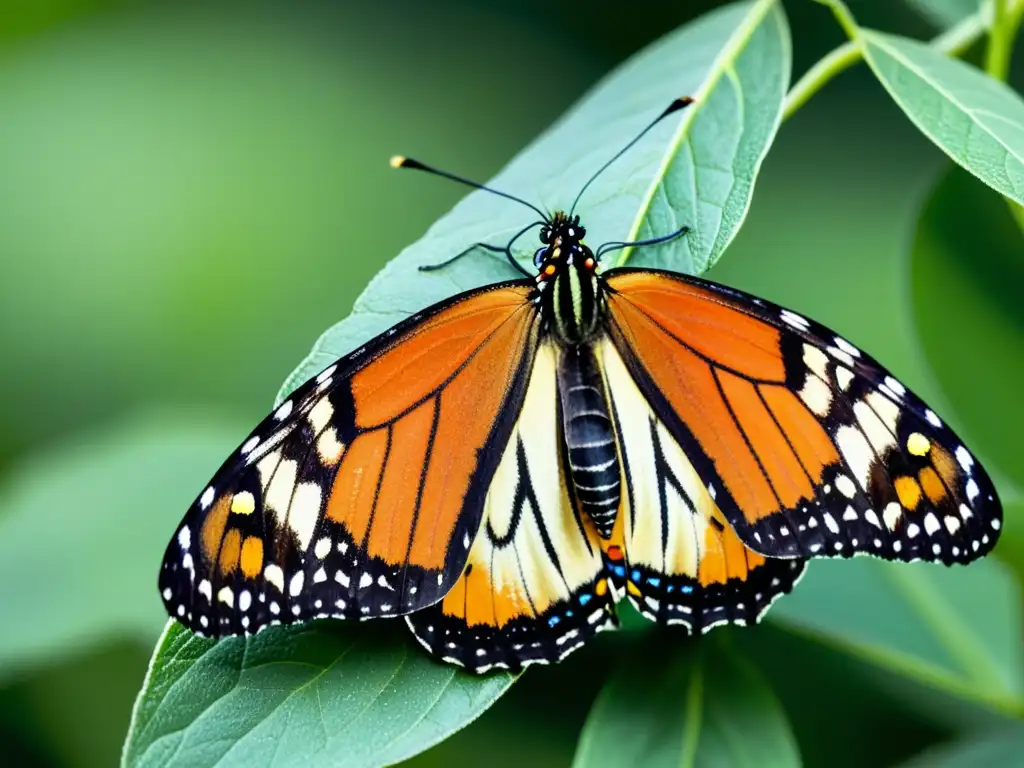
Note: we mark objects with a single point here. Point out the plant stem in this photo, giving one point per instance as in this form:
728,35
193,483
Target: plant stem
838,60
955,41
1000,43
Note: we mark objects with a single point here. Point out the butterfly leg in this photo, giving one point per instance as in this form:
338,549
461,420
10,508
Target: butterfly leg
506,251
618,245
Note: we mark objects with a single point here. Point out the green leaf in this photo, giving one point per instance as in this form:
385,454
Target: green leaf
697,703
967,280
976,120
84,526
946,13
698,169
999,749
958,629
323,693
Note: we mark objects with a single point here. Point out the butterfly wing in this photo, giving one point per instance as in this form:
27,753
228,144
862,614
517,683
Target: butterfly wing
808,446
361,494
679,560
534,587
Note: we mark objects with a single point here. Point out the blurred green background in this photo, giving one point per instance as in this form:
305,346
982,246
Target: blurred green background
190,193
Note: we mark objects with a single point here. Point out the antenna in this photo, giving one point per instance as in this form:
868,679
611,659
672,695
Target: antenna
400,161
675,106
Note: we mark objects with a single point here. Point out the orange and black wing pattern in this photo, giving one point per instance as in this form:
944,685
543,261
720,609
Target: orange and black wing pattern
808,446
361,494
534,587
672,552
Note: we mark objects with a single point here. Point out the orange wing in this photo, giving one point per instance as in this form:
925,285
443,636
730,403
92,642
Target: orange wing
808,446
361,494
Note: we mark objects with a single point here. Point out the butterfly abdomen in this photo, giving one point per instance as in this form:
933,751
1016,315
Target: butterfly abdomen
589,439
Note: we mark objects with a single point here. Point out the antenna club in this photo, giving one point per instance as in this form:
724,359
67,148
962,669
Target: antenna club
397,161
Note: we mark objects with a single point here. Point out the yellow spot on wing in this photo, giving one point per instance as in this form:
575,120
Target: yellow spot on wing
908,491
243,503
933,487
918,444
229,551
252,557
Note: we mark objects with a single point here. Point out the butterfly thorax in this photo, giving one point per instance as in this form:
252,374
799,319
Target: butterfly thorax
570,290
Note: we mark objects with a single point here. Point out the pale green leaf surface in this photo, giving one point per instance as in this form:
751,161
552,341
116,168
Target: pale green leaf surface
323,693
977,121
697,169
957,628
999,749
687,704
84,526
945,13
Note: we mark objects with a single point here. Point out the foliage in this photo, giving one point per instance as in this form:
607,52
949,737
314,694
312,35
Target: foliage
938,650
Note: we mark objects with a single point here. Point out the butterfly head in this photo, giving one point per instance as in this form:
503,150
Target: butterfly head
567,281
562,248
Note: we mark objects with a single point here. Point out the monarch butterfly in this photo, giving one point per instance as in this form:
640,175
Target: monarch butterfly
504,466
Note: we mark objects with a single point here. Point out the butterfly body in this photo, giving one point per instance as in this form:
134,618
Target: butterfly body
504,466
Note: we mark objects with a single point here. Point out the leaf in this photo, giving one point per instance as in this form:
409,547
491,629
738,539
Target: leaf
323,693
83,529
991,750
967,279
958,629
975,119
946,13
735,61
693,704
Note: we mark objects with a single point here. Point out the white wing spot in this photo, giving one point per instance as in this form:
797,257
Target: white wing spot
273,574
342,578
846,486
931,523
283,411
872,518
207,498
895,386
965,459
892,514
322,548
932,418
206,590
167,593
249,444
365,580
972,490
912,530
847,347
319,576
244,600
325,374
185,538
850,513
844,376
795,320
295,587
937,548
227,597
952,524
996,524
831,523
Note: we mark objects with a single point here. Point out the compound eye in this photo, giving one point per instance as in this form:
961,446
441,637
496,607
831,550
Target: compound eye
545,235
538,257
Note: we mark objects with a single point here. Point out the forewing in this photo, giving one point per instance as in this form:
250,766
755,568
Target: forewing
360,494
534,587
809,447
683,563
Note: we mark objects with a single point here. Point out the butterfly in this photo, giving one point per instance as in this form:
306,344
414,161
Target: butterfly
501,468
